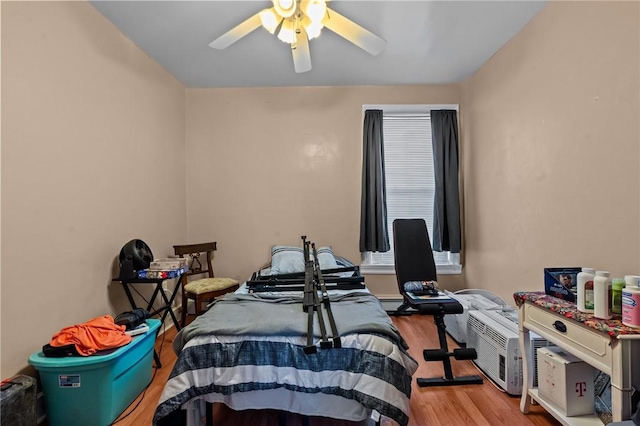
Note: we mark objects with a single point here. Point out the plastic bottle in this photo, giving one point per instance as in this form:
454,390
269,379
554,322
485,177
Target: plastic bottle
617,284
602,295
631,306
585,289
632,280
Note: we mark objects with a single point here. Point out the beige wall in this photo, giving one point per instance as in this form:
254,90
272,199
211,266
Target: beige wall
92,156
265,166
94,135
551,149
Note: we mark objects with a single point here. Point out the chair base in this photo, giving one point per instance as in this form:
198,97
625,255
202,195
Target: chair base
443,381
397,313
439,310
403,310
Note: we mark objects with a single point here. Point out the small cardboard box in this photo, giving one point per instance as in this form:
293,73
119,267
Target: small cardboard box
565,381
167,263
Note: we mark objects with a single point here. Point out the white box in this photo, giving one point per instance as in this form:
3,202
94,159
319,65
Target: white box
565,381
167,263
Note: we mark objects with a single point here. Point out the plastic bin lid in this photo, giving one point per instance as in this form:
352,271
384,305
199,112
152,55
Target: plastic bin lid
38,359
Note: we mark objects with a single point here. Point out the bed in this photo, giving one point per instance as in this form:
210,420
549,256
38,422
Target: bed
247,351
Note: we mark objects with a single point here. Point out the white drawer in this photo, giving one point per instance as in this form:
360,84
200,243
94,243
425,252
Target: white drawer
592,346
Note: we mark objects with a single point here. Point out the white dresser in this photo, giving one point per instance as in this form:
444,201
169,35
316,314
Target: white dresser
603,344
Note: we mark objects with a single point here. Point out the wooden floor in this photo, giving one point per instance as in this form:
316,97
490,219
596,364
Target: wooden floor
484,404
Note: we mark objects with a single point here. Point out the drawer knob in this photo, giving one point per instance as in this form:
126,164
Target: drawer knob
559,325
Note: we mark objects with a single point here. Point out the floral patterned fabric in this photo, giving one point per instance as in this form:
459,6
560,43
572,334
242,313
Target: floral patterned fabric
613,327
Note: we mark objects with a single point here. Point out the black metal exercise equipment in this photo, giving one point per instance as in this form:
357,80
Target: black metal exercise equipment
414,262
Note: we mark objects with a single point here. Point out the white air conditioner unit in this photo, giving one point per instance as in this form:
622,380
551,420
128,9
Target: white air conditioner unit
494,336
456,324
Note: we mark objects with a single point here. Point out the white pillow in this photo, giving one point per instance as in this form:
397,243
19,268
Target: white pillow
326,259
288,259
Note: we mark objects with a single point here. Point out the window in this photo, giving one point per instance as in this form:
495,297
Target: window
409,176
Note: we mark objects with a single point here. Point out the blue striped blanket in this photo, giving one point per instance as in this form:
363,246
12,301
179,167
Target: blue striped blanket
247,351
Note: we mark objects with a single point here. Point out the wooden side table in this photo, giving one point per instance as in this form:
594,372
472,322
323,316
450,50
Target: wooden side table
607,345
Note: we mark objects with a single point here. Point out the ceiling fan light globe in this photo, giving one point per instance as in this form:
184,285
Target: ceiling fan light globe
316,10
313,30
287,33
270,20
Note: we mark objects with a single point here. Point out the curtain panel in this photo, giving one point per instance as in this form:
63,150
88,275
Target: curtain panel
374,235
446,217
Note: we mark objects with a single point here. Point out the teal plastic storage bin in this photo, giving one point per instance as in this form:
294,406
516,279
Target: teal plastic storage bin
95,390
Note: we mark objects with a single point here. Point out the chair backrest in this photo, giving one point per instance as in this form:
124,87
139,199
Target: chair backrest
412,252
198,265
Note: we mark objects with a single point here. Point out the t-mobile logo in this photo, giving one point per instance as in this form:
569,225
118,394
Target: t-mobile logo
581,388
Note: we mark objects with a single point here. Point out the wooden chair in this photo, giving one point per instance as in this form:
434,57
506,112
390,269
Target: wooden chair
206,288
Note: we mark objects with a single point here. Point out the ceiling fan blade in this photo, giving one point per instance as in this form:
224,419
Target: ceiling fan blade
301,54
353,32
236,33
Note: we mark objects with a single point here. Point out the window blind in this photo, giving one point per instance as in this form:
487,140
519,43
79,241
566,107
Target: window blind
409,174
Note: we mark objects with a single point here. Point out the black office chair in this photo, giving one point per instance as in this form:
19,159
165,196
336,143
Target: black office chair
414,262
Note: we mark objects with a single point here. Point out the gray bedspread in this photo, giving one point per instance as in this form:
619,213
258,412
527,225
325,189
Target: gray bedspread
237,349
267,315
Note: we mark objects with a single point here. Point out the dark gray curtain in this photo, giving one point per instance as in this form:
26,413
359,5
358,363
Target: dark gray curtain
373,208
446,214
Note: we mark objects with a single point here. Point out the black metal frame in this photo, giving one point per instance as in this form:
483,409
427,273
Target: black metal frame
296,281
165,309
414,262
312,302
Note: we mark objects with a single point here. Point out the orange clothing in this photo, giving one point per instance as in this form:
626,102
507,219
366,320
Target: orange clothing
95,335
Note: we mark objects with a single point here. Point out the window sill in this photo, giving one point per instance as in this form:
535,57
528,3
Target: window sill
391,270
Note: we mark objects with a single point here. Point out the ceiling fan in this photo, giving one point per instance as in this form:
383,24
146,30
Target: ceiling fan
297,22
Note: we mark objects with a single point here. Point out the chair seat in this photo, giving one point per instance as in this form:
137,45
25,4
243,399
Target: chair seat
207,285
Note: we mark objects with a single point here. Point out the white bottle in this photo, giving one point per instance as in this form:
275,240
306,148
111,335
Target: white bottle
585,289
632,280
602,295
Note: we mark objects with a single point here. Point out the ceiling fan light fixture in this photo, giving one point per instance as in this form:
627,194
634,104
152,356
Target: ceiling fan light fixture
316,10
270,19
285,8
297,22
287,33
313,29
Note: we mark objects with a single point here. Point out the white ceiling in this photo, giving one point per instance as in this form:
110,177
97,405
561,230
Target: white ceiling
428,42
